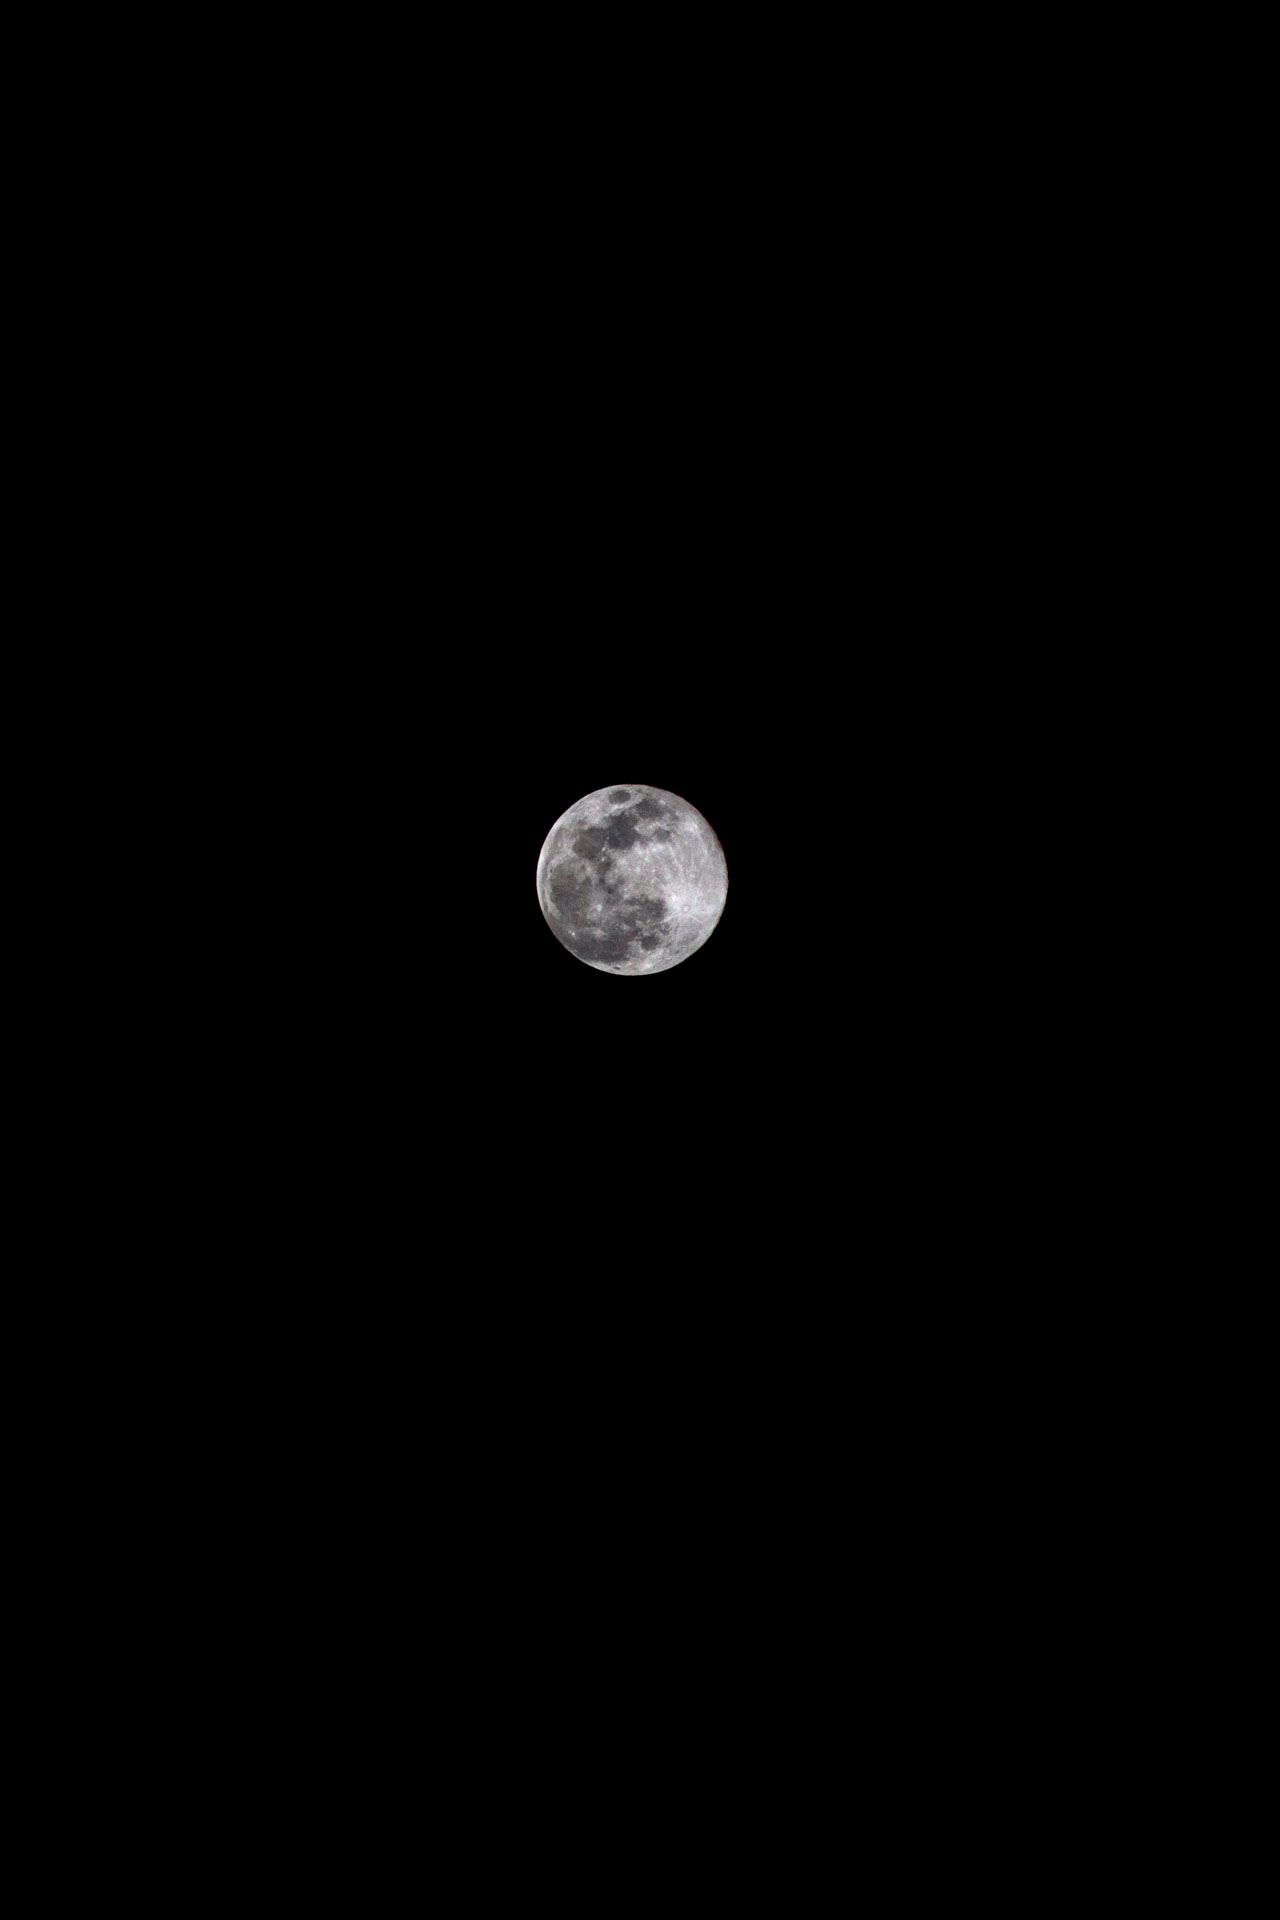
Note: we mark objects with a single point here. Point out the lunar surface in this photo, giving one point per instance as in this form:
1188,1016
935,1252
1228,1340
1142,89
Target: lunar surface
632,880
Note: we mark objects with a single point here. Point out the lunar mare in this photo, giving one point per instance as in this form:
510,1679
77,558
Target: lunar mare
632,880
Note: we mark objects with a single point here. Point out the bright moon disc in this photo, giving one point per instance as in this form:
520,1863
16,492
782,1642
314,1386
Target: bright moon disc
632,880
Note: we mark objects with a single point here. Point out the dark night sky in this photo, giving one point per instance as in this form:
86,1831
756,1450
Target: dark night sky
541,479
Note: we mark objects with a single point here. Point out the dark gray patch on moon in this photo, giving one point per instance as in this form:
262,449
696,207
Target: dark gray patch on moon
570,896
590,842
619,794
632,921
650,809
647,912
613,945
621,834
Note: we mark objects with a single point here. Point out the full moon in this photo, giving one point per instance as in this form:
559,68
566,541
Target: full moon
632,880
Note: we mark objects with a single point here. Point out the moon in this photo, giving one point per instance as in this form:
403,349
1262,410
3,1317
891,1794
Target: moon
632,880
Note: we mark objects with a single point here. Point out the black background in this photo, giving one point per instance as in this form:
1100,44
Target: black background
531,1376
556,1299
675,499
